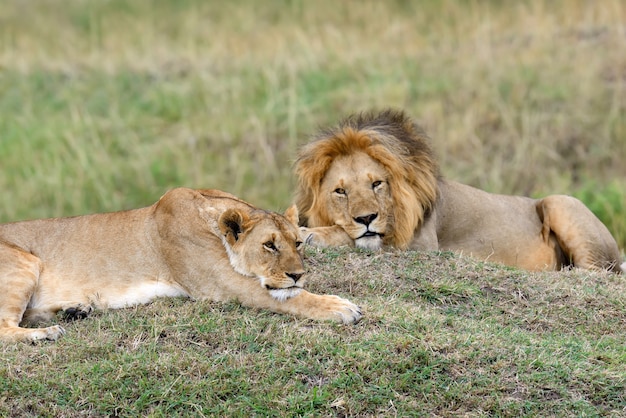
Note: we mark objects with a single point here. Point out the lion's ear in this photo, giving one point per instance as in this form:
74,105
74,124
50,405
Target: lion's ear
231,224
292,215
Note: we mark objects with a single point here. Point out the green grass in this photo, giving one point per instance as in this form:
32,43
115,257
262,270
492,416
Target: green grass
107,104
441,335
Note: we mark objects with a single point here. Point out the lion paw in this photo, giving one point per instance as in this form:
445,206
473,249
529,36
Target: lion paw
77,312
309,237
326,236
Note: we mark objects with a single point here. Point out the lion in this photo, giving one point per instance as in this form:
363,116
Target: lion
373,181
200,244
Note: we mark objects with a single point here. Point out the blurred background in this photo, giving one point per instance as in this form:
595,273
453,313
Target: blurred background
106,104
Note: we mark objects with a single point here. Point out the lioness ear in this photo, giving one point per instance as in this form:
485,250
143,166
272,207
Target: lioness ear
231,224
292,214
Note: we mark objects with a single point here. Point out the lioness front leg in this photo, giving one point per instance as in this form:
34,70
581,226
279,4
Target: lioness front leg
303,304
326,236
320,307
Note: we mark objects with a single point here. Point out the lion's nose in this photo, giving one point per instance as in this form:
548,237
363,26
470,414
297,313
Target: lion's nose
366,219
295,276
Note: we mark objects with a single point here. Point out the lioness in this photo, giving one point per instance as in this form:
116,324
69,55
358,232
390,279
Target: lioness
203,244
373,181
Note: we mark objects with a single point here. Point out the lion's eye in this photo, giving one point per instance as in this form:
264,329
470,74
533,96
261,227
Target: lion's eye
298,245
376,184
269,245
341,191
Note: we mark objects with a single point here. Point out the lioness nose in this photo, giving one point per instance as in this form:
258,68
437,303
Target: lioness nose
295,276
366,219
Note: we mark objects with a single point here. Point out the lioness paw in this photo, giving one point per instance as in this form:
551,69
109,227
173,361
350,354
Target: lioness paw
52,333
344,310
77,312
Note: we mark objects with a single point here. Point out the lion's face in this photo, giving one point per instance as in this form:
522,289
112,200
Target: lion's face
357,197
374,176
266,246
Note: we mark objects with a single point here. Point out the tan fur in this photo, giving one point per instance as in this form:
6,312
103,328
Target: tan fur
202,244
373,181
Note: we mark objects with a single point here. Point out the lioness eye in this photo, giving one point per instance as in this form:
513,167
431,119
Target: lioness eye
269,245
339,190
376,184
298,244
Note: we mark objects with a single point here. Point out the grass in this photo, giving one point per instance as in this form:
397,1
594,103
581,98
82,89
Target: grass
441,335
107,104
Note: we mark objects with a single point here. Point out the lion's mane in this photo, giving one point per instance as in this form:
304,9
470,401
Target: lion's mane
393,140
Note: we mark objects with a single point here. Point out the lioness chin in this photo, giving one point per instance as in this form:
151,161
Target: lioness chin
202,244
373,181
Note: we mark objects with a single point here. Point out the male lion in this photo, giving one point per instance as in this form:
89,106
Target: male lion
203,244
373,181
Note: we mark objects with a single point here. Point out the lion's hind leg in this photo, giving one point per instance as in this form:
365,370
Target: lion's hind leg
585,241
19,275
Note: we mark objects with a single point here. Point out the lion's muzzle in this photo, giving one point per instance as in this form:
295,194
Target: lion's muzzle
370,240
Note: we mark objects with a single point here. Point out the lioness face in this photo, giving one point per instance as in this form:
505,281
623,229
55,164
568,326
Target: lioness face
266,246
358,198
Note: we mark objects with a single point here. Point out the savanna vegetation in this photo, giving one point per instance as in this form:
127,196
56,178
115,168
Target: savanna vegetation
105,105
